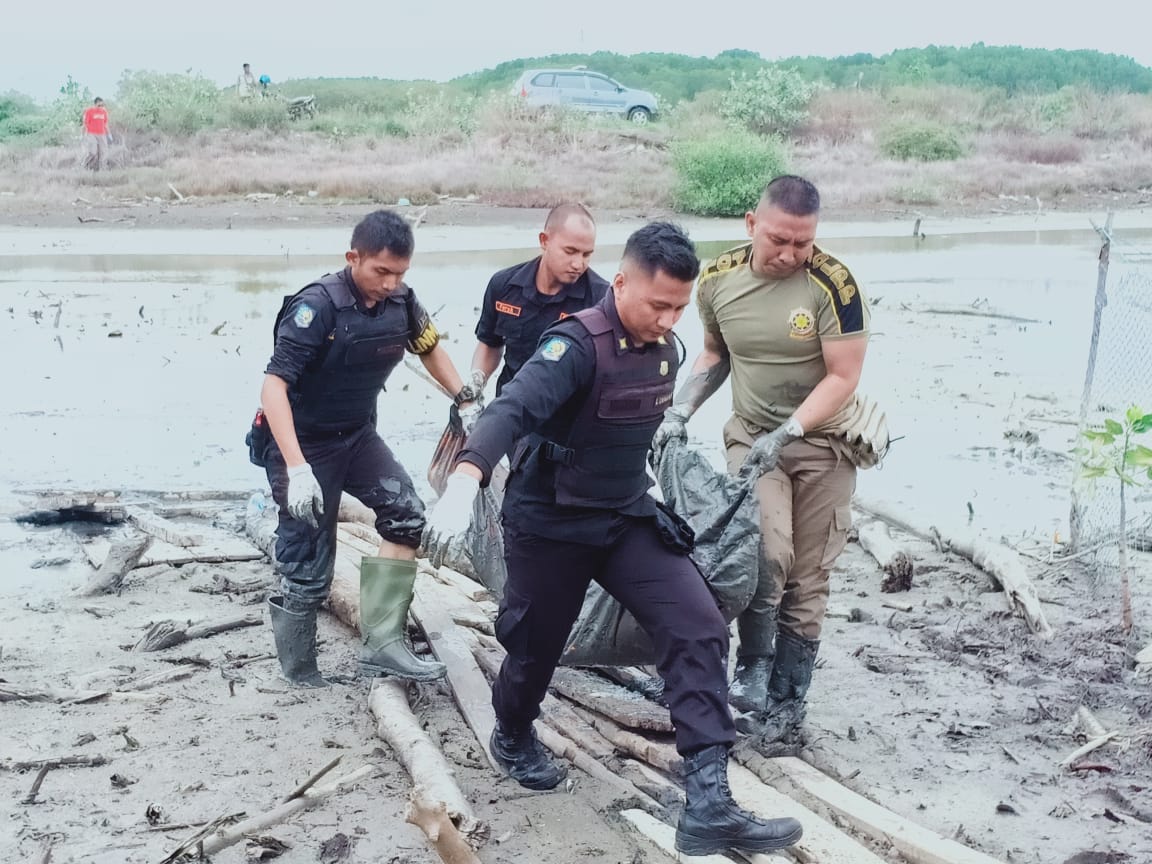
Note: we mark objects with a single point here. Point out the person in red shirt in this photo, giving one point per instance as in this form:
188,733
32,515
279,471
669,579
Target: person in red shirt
96,135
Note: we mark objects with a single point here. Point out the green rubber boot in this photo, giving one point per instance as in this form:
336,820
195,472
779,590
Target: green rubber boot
385,595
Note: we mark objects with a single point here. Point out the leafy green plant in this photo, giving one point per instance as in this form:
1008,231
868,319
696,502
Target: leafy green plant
723,175
174,103
1112,452
774,101
921,142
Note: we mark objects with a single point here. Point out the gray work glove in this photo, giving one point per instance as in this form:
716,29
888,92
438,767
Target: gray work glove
765,453
672,428
305,497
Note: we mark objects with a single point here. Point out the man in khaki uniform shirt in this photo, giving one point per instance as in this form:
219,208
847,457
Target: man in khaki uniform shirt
789,323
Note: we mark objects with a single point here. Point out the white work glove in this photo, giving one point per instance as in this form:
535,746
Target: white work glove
451,516
469,414
305,497
671,428
765,453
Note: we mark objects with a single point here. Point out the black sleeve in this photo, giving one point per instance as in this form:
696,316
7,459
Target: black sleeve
302,334
486,326
422,333
563,365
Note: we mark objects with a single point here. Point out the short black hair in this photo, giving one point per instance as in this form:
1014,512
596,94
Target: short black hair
97,100
663,246
792,194
384,230
559,215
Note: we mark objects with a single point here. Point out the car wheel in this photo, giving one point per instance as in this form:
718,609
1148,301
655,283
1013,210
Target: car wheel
639,116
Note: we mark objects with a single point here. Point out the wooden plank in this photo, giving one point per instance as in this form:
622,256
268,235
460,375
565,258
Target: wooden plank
916,843
163,529
470,588
213,551
610,699
663,837
822,841
469,686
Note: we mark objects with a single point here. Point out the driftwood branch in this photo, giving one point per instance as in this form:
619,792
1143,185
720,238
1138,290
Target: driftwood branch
892,558
121,558
311,781
1003,565
161,528
59,762
656,754
165,634
225,837
431,817
420,757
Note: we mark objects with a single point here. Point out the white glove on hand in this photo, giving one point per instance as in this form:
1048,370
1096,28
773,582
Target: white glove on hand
765,453
305,497
469,415
451,516
672,427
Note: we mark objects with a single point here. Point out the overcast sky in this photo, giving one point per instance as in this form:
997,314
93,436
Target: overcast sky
41,42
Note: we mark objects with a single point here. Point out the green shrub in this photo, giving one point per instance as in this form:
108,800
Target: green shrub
23,125
921,142
773,101
174,103
723,175
257,114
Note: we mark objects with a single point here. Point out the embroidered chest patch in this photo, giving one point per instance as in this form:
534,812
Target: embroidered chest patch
801,323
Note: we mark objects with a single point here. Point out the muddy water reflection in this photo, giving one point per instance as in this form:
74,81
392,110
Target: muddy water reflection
150,375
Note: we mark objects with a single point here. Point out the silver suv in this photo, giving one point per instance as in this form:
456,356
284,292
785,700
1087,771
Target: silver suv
584,91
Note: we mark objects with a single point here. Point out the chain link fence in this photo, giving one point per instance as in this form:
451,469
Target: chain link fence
1118,376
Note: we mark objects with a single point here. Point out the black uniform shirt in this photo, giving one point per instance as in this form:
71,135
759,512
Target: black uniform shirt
309,323
515,314
547,393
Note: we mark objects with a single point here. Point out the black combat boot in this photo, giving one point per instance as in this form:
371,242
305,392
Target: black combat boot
748,692
295,634
522,756
713,822
788,688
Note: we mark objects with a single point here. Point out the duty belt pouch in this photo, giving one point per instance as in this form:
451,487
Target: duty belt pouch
674,531
257,439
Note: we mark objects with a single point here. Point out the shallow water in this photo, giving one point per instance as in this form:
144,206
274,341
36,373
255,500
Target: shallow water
166,403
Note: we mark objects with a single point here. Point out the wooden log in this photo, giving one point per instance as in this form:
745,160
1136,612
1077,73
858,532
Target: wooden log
431,817
58,762
1003,565
822,841
663,837
225,837
469,686
161,528
215,550
819,792
122,557
469,588
611,700
421,758
892,558
165,634
21,693
657,754
354,510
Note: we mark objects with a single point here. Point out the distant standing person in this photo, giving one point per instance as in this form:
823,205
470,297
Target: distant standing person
522,301
96,135
246,83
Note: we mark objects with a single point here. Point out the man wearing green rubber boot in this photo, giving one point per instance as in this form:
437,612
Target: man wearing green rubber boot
337,341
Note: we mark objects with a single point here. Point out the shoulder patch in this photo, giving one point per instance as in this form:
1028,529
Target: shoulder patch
555,348
830,273
729,260
304,316
838,283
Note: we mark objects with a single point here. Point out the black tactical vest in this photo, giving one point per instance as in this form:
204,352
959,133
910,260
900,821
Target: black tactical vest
337,391
601,458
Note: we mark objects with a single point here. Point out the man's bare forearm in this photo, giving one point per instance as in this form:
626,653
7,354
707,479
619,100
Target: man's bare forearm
709,372
440,367
486,358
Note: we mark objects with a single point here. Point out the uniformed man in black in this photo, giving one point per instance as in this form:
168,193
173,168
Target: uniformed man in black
580,416
522,301
337,341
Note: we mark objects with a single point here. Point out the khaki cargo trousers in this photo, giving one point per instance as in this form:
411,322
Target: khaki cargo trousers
805,515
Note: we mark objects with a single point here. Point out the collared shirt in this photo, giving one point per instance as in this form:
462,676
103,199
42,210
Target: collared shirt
307,325
546,396
515,314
